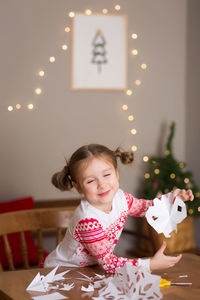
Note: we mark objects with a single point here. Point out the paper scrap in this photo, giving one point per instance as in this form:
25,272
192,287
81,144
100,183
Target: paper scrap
53,296
164,216
90,288
67,287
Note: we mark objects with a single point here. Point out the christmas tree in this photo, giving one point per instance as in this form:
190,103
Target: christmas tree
166,173
99,52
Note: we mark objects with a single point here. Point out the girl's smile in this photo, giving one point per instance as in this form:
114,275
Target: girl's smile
98,180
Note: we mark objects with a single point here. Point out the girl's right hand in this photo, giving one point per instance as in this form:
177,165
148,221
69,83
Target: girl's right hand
161,261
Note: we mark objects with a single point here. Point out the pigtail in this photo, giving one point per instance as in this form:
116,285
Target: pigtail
62,180
125,157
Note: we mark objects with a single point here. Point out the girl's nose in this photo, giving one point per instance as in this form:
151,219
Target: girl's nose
100,183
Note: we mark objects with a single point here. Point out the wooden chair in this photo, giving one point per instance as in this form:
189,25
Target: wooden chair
33,220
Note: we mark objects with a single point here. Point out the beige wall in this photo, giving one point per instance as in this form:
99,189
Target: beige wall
34,143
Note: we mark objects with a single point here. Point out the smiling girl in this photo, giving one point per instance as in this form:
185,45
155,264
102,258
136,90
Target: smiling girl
99,219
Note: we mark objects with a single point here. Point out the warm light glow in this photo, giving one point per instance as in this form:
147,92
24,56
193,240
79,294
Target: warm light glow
147,175
30,106
67,29
124,107
88,12
10,108
197,194
129,92
199,208
145,158
134,52
181,165
130,118
134,36
186,180
71,14
167,152
172,175
104,11
153,162
117,7
156,171
41,73
18,106
143,66
64,47
38,91
138,82
190,211
133,131
134,148
52,59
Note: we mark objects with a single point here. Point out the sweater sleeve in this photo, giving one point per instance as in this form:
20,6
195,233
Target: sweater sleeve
137,207
90,233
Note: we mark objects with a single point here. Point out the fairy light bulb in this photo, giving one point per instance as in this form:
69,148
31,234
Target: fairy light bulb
143,66
134,36
186,180
190,211
124,107
38,91
167,152
130,118
129,92
10,108
64,47
134,52
41,73
172,175
133,131
181,165
197,195
134,148
104,11
147,175
30,106
18,106
199,208
71,14
117,7
52,59
145,158
138,82
67,29
156,171
88,12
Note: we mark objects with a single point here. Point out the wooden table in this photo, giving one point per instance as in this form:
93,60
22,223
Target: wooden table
13,284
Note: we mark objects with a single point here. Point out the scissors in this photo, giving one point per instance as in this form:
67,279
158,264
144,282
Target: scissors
164,283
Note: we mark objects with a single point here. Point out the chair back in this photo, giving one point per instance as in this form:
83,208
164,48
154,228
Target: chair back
38,221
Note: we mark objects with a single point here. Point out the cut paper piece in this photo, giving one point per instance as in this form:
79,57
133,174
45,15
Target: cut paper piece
131,283
41,282
164,216
90,288
67,287
98,276
53,296
86,278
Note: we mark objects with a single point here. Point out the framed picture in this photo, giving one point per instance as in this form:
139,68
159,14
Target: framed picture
99,52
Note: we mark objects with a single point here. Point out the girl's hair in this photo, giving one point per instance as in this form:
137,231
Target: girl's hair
63,179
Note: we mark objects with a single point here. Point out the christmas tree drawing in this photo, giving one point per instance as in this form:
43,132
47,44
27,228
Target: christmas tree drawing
99,52
166,173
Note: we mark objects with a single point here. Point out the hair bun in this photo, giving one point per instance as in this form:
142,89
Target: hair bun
125,157
62,180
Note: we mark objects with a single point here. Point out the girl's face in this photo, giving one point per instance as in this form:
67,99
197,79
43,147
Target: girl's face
98,180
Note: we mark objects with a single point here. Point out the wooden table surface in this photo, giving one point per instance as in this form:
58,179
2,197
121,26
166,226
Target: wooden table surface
13,284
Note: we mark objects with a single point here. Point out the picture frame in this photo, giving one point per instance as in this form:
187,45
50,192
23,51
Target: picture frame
99,52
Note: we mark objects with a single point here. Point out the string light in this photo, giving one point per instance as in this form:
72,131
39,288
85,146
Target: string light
117,7
133,131
145,158
134,52
172,175
129,92
130,118
199,208
104,11
197,194
88,12
64,47
190,211
41,73
10,108
138,82
181,165
67,29
143,66
71,14
134,148
52,59
30,106
147,175
38,91
18,106
156,171
134,36
186,180
124,107
167,152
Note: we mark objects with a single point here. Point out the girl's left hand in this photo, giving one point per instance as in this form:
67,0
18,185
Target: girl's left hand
183,194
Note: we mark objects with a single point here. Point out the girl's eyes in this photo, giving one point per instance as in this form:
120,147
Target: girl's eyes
108,174
90,181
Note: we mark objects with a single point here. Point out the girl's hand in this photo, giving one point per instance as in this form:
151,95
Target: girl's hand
183,194
161,261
